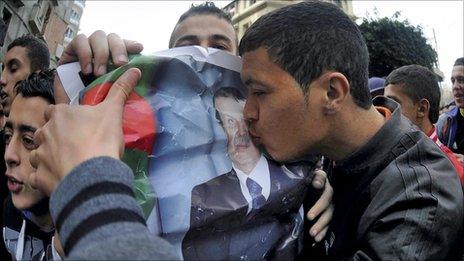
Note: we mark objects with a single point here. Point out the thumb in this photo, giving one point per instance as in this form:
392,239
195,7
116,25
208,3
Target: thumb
122,88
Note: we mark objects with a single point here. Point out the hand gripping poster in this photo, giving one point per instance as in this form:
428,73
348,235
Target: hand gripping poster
199,179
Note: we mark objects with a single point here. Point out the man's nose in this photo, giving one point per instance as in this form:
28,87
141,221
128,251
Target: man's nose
242,128
250,112
11,155
2,80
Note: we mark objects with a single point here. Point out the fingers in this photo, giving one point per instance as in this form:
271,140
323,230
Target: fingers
322,203
34,159
78,50
319,179
33,180
321,235
100,49
133,46
117,49
122,88
319,229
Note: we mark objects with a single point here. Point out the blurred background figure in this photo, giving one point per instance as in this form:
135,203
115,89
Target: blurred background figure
376,85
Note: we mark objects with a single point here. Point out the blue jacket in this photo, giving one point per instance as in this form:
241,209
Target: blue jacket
447,126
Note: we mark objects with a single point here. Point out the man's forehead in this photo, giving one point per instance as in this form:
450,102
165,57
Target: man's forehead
28,111
204,26
458,69
17,52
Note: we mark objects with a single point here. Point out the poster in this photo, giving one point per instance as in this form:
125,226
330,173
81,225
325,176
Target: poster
201,182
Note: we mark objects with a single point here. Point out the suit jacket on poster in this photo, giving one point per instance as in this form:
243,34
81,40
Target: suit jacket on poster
220,227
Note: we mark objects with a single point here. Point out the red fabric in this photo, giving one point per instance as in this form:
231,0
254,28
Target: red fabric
384,111
457,165
139,124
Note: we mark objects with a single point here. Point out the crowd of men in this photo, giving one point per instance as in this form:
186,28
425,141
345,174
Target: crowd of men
396,165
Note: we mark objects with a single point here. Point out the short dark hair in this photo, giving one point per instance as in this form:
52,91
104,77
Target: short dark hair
206,8
37,51
38,84
227,92
418,82
307,38
459,62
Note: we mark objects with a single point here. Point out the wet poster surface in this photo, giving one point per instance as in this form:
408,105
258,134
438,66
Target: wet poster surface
201,182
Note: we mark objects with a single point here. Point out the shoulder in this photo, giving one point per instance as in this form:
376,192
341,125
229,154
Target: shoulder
421,176
445,117
218,185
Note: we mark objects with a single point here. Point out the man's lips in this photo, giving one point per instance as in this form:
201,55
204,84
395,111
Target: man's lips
242,146
14,185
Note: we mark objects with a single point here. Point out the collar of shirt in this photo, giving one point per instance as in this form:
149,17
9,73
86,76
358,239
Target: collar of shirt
259,174
433,135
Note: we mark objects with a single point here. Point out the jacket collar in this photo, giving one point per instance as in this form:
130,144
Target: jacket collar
380,149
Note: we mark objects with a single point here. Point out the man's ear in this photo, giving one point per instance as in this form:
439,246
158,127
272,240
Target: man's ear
423,108
338,90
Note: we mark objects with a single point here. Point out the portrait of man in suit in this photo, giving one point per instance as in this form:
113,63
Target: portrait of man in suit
252,212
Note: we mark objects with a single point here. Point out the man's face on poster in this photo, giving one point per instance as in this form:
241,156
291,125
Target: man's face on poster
239,146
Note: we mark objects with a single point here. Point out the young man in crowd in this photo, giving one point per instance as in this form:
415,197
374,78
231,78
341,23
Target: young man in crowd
416,89
397,196
450,126
24,55
204,25
28,228
240,213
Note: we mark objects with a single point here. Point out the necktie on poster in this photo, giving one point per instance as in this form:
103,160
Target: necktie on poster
178,147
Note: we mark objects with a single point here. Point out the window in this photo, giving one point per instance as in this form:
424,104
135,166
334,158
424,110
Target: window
69,33
230,10
75,17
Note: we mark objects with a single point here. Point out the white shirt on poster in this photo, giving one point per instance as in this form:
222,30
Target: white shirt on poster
259,174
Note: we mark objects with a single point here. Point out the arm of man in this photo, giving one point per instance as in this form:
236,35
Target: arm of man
92,201
97,216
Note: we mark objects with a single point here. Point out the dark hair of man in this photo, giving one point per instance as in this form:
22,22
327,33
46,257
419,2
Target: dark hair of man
206,8
37,85
459,62
227,92
418,82
309,38
37,51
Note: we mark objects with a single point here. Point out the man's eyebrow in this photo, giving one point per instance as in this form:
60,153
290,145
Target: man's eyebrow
26,128
254,81
221,37
189,37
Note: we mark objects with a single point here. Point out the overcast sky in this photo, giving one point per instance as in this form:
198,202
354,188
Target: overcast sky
151,22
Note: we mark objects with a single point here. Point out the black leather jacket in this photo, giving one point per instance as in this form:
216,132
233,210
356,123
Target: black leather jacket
397,198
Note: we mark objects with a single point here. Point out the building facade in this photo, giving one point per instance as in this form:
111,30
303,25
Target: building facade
56,22
245,12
